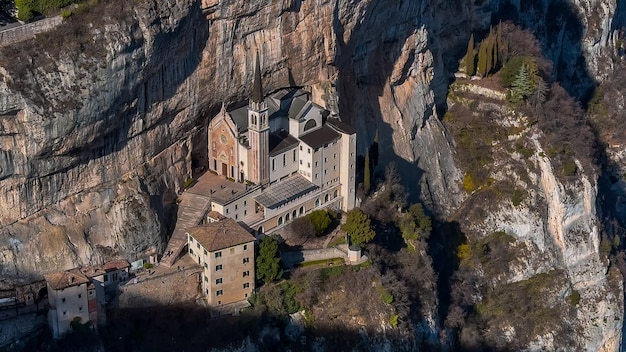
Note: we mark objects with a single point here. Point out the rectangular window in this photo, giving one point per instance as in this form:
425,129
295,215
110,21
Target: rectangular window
316,176
219,292
226,210
273,164
80,309
300,162
284,159
308,165
316,164
218,254
246,273
294,155
335,156
236,206
300,148
205,252
218,281
218,267
215,164
245,202
64,312
246,285
190,239
325,160
206,266
308,150
245,247
206,279
190,251
63,300
198,245
246,260
80,295
245,212
236,216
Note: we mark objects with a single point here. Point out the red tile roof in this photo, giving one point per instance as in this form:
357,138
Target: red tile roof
65,279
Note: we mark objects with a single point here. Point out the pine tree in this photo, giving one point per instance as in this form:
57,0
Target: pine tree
367,177
470,57
359,226
522,87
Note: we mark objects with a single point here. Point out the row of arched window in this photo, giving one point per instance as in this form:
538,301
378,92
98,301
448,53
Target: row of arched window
290,216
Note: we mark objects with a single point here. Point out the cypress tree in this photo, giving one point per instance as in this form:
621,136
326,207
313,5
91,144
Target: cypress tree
367,177
482,60
375,150
470,57
489,54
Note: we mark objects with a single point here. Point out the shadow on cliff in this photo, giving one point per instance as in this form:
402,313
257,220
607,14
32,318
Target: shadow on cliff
189,327
560,30
365,65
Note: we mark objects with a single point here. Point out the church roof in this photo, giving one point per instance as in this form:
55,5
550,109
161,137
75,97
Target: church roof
281,141
285,191
290,103
341,126
221,234
320,137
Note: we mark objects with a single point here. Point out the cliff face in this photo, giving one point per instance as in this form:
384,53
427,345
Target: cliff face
101,121
95,139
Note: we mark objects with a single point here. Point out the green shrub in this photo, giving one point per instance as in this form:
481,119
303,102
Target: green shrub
321,220
517,197
147,266
569,167
66,13
526,152
188,183
469,185
393,321
385,295
574,298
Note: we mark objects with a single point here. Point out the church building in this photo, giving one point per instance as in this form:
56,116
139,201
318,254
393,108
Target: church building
292,155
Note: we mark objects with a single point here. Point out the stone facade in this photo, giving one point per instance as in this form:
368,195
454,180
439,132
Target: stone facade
226,253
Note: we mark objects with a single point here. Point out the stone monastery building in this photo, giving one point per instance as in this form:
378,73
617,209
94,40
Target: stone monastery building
286,155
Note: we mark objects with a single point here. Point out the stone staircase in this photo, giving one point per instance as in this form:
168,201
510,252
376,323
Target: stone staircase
191,211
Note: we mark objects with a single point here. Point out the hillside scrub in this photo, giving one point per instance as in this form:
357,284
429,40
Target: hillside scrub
27,9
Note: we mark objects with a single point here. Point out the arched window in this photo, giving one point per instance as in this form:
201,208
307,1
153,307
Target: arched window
280,220
287,217
301,211
294,214
260,231
326,198
317,202
335,194
310,124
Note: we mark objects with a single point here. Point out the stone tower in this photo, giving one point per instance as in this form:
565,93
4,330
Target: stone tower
258,132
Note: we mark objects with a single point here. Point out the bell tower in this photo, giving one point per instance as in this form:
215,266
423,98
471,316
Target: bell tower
258,131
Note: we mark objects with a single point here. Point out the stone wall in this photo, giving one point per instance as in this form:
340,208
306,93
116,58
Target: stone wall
29,30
